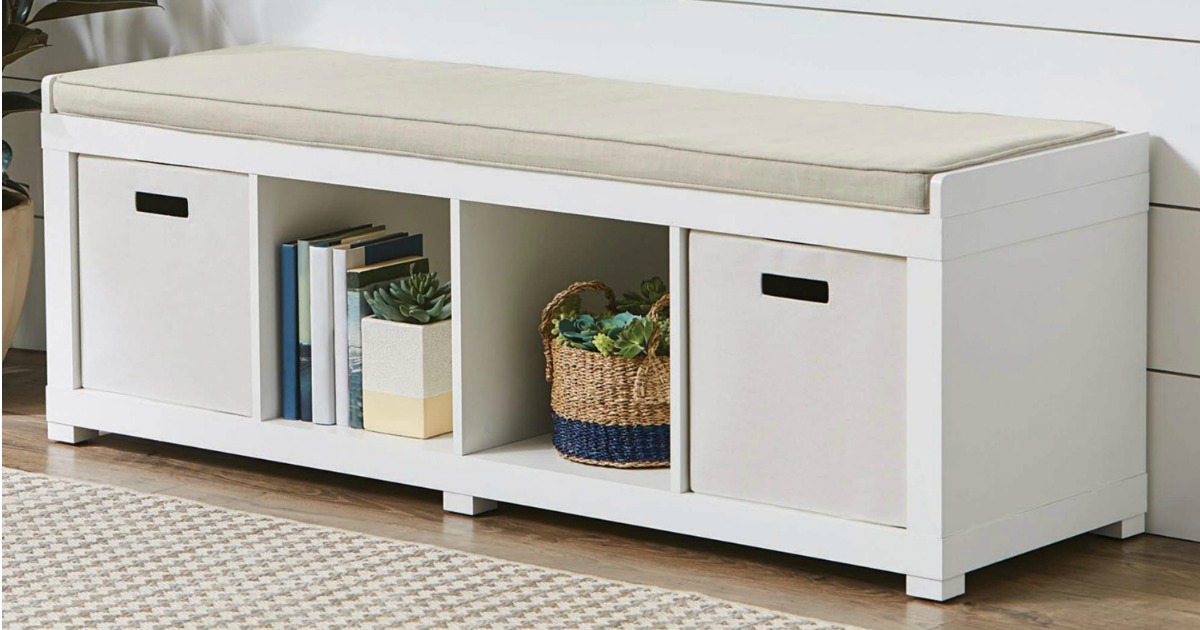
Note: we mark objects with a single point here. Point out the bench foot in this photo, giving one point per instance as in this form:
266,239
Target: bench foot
1127,528
936,590
466,504
69,434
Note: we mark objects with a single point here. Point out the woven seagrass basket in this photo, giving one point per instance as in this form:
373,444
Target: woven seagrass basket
608,411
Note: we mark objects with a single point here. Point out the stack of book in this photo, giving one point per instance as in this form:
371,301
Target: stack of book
324,281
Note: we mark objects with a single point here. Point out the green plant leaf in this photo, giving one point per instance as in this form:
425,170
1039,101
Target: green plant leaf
72,8
640,302
635,338
20,40
21,10
15,102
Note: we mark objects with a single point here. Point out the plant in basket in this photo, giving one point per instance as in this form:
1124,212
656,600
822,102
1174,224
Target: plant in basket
407,358
609,374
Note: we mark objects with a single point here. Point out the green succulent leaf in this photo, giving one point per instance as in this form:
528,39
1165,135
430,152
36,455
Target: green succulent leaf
664,341
634,339
73,8
418,299
605,345
639,302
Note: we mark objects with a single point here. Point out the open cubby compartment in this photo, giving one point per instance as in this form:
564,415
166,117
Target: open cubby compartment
508,263
291,209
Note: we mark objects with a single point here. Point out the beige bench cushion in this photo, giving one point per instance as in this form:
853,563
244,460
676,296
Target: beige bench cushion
861,155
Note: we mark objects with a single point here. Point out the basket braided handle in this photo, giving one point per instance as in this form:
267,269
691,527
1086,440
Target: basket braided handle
661,305
551,310
649,365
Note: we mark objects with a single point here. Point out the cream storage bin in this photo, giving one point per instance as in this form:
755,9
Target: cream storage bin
797,376
164,283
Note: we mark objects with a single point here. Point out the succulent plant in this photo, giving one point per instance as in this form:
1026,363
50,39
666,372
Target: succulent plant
577,332
634,339
626,333
605,345
639,302
418,299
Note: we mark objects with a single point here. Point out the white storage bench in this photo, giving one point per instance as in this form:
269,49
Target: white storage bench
901,339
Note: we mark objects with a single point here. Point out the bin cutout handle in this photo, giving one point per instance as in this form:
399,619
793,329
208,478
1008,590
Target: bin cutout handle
165,205
803,289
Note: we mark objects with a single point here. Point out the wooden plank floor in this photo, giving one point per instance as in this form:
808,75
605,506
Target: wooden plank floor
1087,582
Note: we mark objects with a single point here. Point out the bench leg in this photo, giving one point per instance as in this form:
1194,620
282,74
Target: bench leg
466,504
1127,528
936,590
68,434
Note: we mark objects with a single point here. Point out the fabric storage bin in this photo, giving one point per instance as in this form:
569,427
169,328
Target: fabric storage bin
164,283
798,376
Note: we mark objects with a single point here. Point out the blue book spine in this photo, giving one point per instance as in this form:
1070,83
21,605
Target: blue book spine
289,328
391,249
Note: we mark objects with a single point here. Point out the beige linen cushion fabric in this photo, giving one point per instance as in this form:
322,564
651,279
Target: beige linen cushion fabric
846,154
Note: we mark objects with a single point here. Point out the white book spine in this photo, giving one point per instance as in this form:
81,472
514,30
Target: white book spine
343,259
321,322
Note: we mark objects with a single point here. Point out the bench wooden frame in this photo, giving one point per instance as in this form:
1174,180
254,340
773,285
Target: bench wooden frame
1083,207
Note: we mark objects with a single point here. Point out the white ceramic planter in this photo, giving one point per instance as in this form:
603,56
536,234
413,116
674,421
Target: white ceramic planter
406,374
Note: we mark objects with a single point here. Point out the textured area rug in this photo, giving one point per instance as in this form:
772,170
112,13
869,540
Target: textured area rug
80,555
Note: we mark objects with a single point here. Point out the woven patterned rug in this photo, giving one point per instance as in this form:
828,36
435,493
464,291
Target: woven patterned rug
81,555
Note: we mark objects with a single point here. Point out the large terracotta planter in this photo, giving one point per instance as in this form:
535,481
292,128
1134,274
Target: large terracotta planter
18,260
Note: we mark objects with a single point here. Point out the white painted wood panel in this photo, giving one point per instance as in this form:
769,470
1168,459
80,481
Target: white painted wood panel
1175,290
1174,456
509,263
1178,19
538,452
506,475
1015,534
433,464
1017,179
62,270
925,358
680,361
1044,354
1064,211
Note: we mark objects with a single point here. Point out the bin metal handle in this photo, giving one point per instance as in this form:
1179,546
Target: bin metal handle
803,289
165,205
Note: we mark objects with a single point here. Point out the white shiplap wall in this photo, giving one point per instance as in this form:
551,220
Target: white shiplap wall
1132,63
